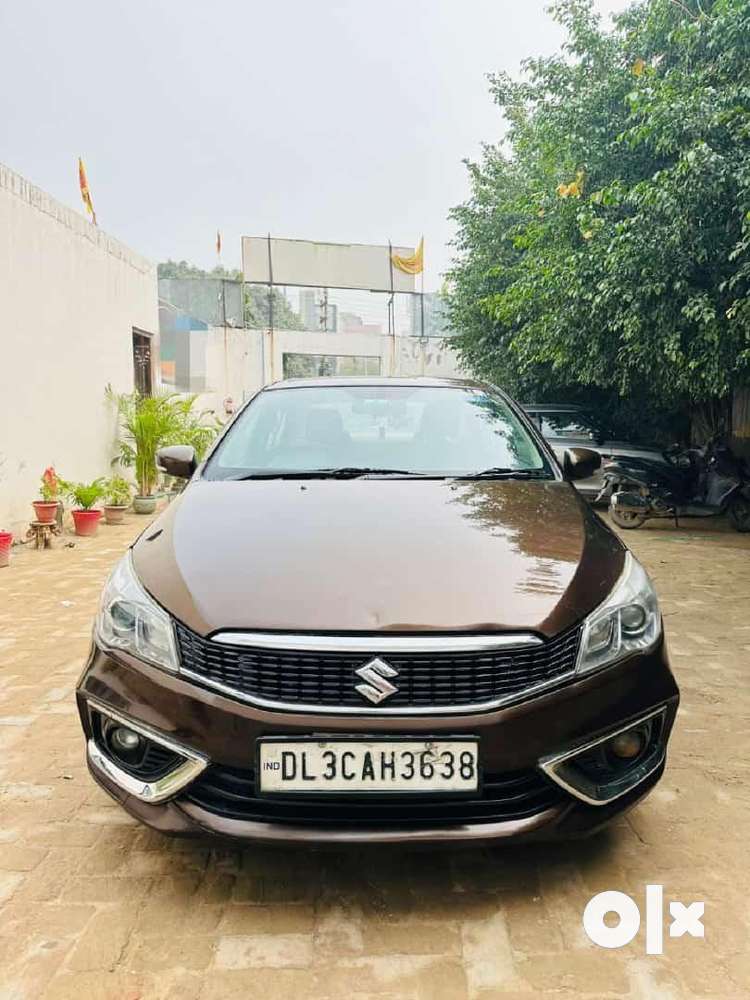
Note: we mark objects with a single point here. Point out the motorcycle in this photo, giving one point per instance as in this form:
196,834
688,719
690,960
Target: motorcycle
697,482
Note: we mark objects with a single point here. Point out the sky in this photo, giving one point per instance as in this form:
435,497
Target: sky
334,120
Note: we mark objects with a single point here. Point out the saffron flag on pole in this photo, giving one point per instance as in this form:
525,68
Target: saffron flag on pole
413,264
85,193
218,243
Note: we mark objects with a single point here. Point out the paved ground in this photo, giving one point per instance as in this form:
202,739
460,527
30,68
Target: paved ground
91,905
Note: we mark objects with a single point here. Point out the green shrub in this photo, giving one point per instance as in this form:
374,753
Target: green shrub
84,495
118,492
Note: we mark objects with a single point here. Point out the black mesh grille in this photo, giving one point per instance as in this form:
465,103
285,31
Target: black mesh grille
230,792
424,679
433,679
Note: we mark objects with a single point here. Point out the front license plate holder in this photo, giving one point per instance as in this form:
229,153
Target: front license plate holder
379,790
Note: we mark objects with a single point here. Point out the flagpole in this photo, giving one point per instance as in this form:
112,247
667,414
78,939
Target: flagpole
392,313
421,293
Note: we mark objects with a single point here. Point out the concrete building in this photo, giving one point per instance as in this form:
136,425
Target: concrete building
79,311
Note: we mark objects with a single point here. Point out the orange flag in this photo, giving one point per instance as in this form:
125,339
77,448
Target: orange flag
218,243
413,264
85,193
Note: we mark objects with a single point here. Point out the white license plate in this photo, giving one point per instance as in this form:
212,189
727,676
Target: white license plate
364,766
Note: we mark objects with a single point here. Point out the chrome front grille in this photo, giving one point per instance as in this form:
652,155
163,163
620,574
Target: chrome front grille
427,680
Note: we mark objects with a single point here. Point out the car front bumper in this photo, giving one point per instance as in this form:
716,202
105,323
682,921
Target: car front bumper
517,739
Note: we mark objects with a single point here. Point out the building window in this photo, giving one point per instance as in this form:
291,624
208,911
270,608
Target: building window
315,365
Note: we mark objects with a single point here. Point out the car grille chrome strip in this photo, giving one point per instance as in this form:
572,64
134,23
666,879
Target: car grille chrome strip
423,675
377,643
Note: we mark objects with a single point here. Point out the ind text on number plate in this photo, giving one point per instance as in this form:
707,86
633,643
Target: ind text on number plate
368,766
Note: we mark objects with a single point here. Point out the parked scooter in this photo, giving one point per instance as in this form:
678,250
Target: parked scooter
697,482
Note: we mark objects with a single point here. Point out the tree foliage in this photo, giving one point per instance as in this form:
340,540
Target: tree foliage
257,297
604,252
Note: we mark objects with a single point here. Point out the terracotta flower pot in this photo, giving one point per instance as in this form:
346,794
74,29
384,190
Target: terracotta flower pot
114,513
5,540
144,505
86,521
45,510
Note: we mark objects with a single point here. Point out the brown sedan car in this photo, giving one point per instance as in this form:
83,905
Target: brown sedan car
378,612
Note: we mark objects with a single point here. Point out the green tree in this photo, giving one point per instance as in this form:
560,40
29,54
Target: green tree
604,251
183,269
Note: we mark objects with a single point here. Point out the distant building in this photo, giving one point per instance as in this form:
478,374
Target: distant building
316,313
352,323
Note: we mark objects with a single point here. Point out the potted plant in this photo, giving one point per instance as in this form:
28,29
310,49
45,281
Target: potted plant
46,508
149,423
116,499
6,539
86,517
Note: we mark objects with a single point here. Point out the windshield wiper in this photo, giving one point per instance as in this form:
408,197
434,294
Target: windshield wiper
501,473
352,471
344,472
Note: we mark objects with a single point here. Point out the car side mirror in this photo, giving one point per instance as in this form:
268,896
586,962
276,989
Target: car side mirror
580,463
177,460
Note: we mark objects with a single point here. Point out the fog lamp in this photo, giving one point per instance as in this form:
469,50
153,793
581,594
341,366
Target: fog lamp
125,740
629,745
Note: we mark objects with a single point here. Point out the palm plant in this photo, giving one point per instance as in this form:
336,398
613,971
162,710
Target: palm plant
150,423
84,495
197,429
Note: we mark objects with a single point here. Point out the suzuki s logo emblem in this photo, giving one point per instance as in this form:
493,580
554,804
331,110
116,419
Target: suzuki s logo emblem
377,687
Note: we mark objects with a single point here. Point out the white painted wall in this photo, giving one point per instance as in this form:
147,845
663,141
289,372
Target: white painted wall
232,362
69,298
398,355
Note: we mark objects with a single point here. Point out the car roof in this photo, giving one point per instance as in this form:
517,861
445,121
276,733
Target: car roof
375,380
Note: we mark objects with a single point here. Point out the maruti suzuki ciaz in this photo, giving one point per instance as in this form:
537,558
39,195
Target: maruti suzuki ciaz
379,611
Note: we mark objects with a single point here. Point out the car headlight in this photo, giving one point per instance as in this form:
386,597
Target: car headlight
629,621
130,620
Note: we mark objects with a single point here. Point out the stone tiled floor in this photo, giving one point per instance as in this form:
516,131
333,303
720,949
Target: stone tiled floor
91,905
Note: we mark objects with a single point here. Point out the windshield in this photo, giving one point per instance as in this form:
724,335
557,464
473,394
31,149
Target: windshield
561,425
396,430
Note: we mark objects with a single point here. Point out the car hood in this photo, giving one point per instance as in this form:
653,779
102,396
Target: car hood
370,555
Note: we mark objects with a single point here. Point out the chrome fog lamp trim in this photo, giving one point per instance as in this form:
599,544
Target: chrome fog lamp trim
147,791
378,643
551,765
